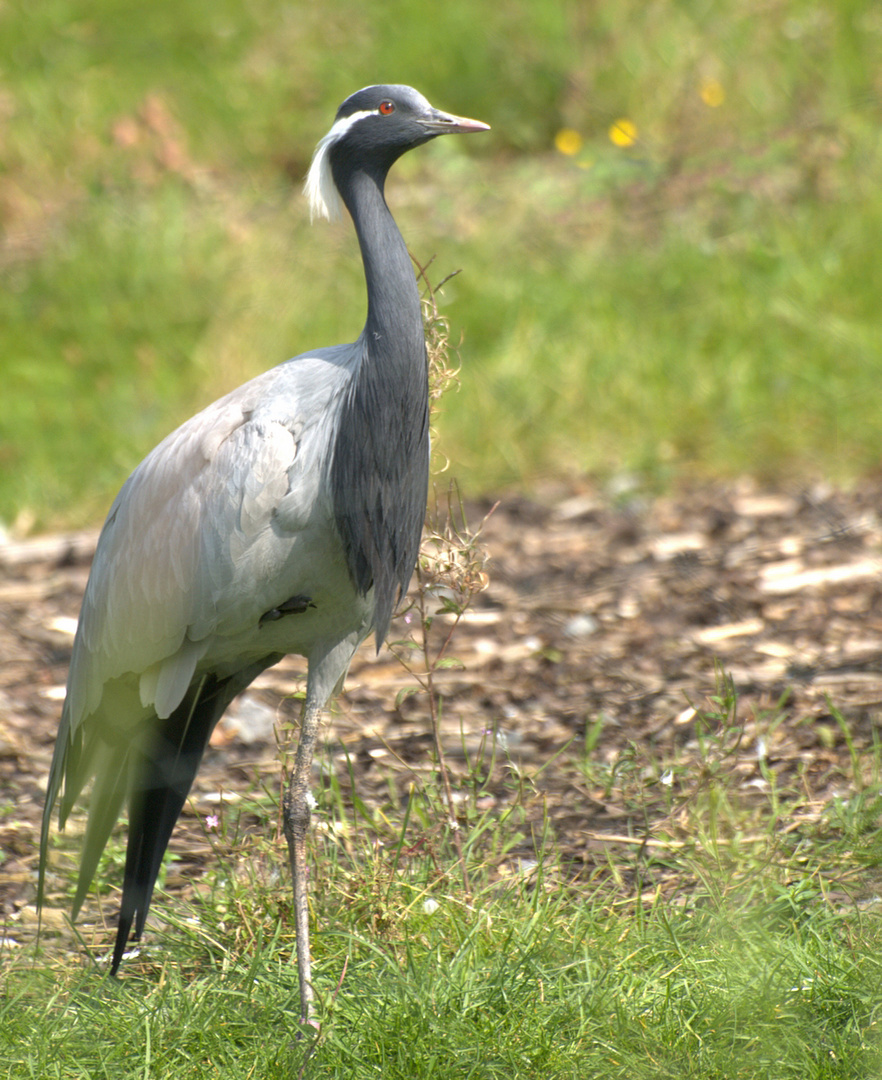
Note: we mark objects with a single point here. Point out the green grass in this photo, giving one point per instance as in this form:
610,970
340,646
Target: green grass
701,302
528,980
525,987
742,940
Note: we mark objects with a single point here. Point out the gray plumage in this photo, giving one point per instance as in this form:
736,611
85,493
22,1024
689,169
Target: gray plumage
284,518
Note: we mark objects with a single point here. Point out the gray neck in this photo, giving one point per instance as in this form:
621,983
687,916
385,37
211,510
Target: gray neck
393,333
380,470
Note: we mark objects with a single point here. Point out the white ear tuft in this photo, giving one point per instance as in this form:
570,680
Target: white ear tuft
319,188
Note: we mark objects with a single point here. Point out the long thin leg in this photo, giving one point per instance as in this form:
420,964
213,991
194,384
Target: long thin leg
327,669
296,817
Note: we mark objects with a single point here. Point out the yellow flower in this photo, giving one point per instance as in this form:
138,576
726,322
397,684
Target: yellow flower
712,93
568,142
623,132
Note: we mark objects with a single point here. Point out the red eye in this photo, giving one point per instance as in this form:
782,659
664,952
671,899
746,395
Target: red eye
387,107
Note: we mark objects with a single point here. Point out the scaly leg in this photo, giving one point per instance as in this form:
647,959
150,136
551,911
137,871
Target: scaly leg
327,669
296,817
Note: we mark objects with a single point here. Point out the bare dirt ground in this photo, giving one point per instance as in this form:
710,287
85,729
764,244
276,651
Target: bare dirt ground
597,607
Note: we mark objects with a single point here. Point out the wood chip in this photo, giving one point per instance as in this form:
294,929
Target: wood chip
775,580
714,635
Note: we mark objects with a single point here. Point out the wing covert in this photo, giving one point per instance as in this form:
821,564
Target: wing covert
191,527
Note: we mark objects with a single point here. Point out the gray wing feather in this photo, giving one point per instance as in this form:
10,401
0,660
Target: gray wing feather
187,546
194,533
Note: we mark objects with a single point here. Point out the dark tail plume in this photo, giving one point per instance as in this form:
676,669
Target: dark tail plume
167,773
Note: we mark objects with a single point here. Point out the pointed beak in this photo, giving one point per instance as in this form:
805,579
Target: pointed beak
440,123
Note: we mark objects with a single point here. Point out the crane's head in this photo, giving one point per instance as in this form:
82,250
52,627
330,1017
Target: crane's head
373,128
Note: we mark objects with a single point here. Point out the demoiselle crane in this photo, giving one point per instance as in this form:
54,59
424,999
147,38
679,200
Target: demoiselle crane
284,518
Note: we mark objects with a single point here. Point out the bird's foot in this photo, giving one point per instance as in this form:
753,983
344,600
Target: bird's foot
294,605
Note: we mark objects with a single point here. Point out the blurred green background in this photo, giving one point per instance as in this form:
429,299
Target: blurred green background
669,241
